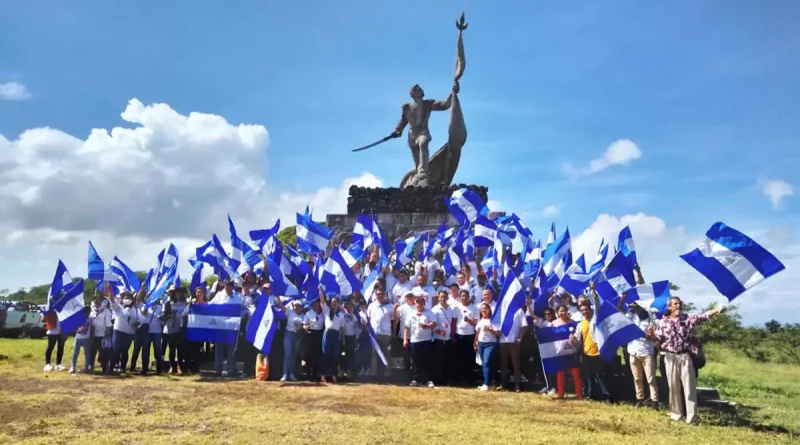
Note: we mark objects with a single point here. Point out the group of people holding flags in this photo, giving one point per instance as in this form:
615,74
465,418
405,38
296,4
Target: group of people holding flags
429,309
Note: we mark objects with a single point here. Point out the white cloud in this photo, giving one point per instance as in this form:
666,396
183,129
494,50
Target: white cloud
620,152
170,178
551,211
13,91
659,246
776,190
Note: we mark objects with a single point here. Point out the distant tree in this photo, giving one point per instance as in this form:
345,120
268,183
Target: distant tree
673,286
751,342
724,327
288,236
787,343
773,326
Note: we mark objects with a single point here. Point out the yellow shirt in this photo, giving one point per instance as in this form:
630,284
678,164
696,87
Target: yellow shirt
589,346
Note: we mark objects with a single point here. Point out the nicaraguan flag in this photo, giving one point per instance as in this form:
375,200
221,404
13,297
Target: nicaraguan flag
557,259
732,261
619,273
512,299
466,205
362,232
557,353
96,265
127,277
338,277
312,237
197,280
451,262
260,236
655,306
612,329
551,237
380,238
484,231
405,250
241,249
659,289
69,308
61,279
539,294
262,325
215,323
600,260
575,280
625,245
279,284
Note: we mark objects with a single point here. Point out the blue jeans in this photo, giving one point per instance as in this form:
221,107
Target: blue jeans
225,353
139,343
331,350
86,344
122,342
485,351
155,340
290,346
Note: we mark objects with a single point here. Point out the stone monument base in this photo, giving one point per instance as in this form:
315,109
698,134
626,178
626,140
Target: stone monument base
395,226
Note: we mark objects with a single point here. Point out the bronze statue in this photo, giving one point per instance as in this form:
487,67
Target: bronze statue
441,167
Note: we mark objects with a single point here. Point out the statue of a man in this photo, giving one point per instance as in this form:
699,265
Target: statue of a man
416,115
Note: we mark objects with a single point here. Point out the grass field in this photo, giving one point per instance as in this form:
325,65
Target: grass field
57,408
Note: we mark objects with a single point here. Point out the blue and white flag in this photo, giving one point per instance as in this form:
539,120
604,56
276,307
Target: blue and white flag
575,280
262,325
600,260
659,289
312,237
511,300
70,307
242,250
279,284
197,280
619,273
557,353
164,275
732,261
61,279
405,250
625,245
128,280
655,306
380,239
540,295
215,323
551,237
466,205
362,233
484,231
97,268
338,277
451,262
261,236
612,329
295,265
557,259
443,234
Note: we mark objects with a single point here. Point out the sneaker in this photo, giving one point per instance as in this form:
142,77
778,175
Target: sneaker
483,388
640,403
552,392
333,379
72,370
322,380
431,385
284,378
413,383
544,390
523,379
48,367
292,378
60,368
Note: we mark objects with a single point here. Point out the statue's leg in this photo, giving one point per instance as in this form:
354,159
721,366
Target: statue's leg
422,144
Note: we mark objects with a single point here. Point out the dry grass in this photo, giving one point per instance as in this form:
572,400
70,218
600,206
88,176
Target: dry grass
58,408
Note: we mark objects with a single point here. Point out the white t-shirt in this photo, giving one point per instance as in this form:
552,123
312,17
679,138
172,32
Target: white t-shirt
431,264
402,315
314,320
428,292
462,313
444,321
101,319
380,317
416,333
332,323
293,321
575,314
519,321
349,325
125,319
484,336
399,291
151,317
641,347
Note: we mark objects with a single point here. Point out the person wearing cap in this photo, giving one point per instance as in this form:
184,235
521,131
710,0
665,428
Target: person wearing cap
126,320
417,336
401,288
226,353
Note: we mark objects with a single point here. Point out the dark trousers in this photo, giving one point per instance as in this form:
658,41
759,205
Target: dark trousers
348,362
441,350
312,351
194,355
176,352
122,342
385,344
510,352
465,361
55,341
594,372
97,349
421,355
139,341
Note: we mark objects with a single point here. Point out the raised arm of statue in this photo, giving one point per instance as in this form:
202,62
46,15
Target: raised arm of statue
441,105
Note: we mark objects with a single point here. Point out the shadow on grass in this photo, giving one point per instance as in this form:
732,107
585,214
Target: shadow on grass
742,416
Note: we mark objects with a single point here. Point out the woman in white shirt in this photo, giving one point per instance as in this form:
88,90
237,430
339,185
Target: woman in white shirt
331,338
126,320
466,318
291,337
102,326
314,325
486,337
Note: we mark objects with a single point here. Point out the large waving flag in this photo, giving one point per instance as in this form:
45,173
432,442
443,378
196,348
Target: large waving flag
612,329
576,280
260,236
61,281
362,232
551,236
338,277
732,261
557,352
540,295
216,323
262,326
557,259
659,289
380,238
70,308
619,273
466,205
242,250
625,245
164,275
312,237
512,299
279,284
96,265
405,250
484,231
600,260
126,276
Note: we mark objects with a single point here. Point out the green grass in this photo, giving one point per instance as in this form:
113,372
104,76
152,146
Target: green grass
57,408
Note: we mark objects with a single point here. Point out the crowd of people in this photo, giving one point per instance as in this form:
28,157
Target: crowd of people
420,326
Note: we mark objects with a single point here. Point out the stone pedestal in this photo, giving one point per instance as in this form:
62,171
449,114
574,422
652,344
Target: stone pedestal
395,226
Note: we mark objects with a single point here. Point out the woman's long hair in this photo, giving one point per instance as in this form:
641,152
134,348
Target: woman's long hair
333,313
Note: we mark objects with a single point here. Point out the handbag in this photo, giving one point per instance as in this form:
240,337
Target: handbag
699,357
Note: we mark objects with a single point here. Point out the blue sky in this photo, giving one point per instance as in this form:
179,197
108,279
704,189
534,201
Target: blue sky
707,90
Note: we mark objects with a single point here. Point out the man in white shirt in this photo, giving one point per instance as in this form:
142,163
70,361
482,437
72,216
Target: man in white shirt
642,356
417,336
510,349
401,313
380,314
424,290
223,352
126,320
401,288
467,316
442,334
